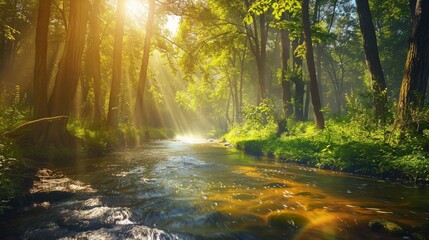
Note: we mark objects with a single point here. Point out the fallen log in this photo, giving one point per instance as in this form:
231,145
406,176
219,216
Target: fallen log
16,131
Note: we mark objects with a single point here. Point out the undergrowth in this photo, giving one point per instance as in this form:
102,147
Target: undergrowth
352,144
12,173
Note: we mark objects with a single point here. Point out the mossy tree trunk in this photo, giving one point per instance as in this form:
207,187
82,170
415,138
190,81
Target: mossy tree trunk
414,80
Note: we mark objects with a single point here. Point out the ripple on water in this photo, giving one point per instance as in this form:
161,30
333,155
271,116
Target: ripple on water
127,232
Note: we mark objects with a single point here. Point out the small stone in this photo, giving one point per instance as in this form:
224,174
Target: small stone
385,226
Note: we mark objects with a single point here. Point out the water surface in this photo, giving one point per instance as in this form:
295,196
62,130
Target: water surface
202,190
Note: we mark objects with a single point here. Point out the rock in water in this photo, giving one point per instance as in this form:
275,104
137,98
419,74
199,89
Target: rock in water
385,226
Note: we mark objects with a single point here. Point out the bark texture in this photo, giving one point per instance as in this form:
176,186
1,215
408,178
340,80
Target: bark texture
378,84
40,107
414,80
138,110
115,90
314,89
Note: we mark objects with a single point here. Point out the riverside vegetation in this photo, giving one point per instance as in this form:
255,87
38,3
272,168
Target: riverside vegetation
354,143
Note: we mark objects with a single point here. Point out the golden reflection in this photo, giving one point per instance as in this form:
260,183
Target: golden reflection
327,214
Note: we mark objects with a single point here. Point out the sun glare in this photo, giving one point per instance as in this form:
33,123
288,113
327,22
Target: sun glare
191,139
137,9
172,24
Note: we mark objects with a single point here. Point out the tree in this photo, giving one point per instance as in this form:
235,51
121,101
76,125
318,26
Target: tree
138,110
299,83
257,33
113,112
66,81
414,80
93,60
40,75
285,82
314,89
378,84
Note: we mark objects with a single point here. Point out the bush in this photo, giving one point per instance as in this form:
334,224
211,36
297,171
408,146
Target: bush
11,173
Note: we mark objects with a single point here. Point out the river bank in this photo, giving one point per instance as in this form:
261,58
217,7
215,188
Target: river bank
343,147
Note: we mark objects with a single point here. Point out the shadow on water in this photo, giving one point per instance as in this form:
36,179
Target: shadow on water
194,190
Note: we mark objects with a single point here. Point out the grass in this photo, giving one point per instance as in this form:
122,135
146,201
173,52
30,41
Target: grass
342,145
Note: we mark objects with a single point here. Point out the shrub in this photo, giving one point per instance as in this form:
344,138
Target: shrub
11,173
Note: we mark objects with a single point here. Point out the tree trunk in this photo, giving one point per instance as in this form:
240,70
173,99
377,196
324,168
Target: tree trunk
258,45
242,65
138,110
307,103
94,61
262,61
115,90
299,83
40,72
286,92
66,82
378,84
414,80
315,97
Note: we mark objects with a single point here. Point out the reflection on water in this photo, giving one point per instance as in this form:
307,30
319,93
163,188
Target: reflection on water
189,189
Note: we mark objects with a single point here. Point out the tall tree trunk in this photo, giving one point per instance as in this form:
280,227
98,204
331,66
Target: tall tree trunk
242,65
257,35
315,97
40,71
316,20
66,82
262,61
378,84
94,61
414,80
115,90
307,103
286,92
299,83
138,110
319,70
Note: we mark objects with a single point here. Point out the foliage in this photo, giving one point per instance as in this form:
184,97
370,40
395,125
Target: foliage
15,112
259,122
11,173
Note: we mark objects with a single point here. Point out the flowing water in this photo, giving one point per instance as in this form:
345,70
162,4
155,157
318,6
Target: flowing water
201,190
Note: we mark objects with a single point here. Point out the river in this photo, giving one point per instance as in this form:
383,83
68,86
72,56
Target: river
183,189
